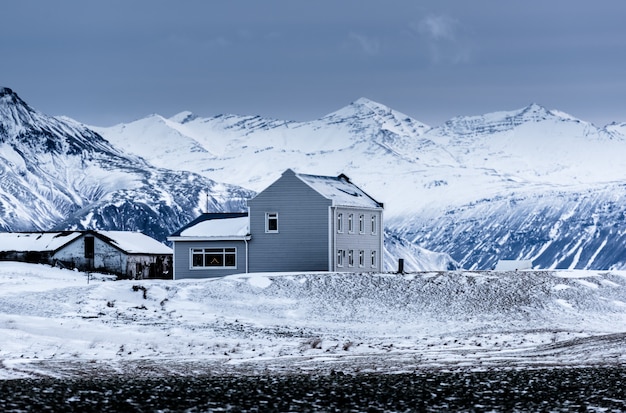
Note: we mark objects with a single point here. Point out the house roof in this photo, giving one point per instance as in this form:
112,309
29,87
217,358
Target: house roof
339,189
126,241
215,226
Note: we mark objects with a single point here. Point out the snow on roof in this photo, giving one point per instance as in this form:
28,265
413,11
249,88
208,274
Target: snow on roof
218,228
339,190
129,242
35,241
135,242
217,225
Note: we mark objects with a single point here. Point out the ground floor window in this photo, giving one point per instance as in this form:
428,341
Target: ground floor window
373,257
340,254
213,257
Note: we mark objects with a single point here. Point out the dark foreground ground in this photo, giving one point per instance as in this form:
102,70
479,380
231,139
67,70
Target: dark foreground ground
527,389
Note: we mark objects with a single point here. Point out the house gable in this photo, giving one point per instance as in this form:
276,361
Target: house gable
301,240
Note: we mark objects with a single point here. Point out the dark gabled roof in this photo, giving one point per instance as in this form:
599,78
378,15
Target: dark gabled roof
209,216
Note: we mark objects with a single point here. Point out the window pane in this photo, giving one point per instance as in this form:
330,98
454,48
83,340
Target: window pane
197,260
214,260
230,260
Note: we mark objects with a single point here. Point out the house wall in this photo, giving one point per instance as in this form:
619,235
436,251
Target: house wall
355,240
182,261
302,240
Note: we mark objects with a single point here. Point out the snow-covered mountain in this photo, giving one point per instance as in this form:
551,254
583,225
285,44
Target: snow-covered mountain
57,173
531,183
60,174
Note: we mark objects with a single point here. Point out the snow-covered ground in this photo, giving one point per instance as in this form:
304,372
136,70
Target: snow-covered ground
54,322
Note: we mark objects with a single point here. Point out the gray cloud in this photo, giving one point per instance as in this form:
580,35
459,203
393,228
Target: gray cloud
115,61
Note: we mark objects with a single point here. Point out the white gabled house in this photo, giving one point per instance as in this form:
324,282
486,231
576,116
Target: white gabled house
299,223
127,254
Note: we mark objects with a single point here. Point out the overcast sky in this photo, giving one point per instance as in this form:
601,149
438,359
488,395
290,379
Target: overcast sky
106,62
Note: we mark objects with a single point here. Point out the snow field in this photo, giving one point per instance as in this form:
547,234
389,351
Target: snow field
287,321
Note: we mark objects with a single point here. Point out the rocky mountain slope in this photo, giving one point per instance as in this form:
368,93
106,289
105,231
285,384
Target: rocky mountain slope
57,173
531,183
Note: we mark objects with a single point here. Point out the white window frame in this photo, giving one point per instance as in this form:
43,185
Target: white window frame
268,217
340,222
351,223
361,223
204,251
374,224
351,258
340,254
361,258
374,261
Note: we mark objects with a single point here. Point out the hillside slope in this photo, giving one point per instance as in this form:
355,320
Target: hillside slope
53,322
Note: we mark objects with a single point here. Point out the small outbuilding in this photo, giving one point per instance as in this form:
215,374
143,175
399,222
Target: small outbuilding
124,253
513,265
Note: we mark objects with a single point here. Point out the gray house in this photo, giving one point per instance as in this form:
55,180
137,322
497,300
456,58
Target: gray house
299,223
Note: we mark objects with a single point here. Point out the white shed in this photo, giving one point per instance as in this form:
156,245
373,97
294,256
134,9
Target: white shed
513,265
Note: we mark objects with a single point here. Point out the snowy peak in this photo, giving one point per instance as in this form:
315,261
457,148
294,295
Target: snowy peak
364,109
34,133
14,112
495,122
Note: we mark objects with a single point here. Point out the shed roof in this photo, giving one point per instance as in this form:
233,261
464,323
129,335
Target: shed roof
339,189
126,241
135,242
35,241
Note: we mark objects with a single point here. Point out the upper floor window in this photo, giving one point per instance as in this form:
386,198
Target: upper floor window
271,222
361,223
351,223
374,224
340,222
213,258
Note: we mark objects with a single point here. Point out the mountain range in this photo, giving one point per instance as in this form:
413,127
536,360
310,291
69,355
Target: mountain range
531,183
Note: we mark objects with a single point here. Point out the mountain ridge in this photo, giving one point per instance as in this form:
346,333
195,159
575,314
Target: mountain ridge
468,188
468,168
